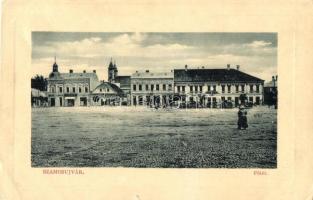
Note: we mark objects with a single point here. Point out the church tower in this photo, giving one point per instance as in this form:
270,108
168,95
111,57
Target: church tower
55,69
112,72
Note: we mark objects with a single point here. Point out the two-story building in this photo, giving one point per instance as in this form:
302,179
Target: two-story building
70,89
213,87
152,89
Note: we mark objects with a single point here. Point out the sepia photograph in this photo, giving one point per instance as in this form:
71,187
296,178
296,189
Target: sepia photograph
154,99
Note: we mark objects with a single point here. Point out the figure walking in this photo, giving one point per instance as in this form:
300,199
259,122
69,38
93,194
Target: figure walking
242,118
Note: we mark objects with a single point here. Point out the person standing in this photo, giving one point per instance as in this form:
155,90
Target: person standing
242,118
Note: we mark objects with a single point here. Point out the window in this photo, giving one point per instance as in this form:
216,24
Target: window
164,87
191,89
228,98
80,90
134,87
200,88
251,88
52,90
86,89
73,89
228,88
183,88
196,88
67,89
169,87
251,99
257,88
223,88
147,87
223,98
242,88
108,90
152,87
237,88
140,87
60,89
100,89
214,88
178,88
157,87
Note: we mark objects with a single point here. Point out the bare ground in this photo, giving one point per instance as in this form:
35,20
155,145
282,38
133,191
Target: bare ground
141,137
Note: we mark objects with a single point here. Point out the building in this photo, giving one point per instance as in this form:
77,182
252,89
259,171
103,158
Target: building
123,82
271,92
216,87
152,89
106,94
38,98
70,89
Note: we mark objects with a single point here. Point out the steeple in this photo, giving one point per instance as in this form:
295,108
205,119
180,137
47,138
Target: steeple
55,65
111,66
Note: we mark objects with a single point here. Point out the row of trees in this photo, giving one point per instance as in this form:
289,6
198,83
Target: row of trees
39,82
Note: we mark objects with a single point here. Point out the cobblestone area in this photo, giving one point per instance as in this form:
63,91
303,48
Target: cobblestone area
143,137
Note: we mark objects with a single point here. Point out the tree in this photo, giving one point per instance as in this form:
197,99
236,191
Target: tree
39,82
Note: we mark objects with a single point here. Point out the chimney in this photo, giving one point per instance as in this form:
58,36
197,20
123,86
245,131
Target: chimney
186,67
202,67
147,71
228,66
238,67
94,71
84,71
71,71
273,78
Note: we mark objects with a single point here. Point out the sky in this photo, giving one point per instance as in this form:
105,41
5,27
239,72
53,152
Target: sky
256,53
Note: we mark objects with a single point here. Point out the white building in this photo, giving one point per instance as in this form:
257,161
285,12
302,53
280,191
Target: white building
153,89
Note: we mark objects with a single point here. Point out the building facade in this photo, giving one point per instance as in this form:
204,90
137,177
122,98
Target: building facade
106,94
152,89
271,92
70,89
214,88
205,88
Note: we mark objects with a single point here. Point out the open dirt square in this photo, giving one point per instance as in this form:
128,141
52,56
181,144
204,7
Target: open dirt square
144,137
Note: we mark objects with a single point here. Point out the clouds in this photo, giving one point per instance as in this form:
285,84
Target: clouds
156,51
259,44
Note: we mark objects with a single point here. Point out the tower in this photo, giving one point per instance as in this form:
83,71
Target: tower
112,71
55,65
55,69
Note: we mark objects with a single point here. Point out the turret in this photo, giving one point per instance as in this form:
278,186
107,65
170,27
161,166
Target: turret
112,71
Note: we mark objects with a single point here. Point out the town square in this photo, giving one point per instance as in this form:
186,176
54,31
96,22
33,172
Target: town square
183,116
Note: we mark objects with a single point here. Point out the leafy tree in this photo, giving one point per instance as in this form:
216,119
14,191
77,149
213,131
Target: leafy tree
39,82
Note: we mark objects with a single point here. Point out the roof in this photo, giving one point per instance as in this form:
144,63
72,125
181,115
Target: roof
149,74
78,75
213,75
109,85
38,93
271,84
123,80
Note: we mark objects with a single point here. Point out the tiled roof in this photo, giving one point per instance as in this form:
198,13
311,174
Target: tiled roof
111,86
123,80
214,75
149,74
78,75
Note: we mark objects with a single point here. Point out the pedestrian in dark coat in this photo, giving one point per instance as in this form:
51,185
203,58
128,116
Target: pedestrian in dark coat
242,118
